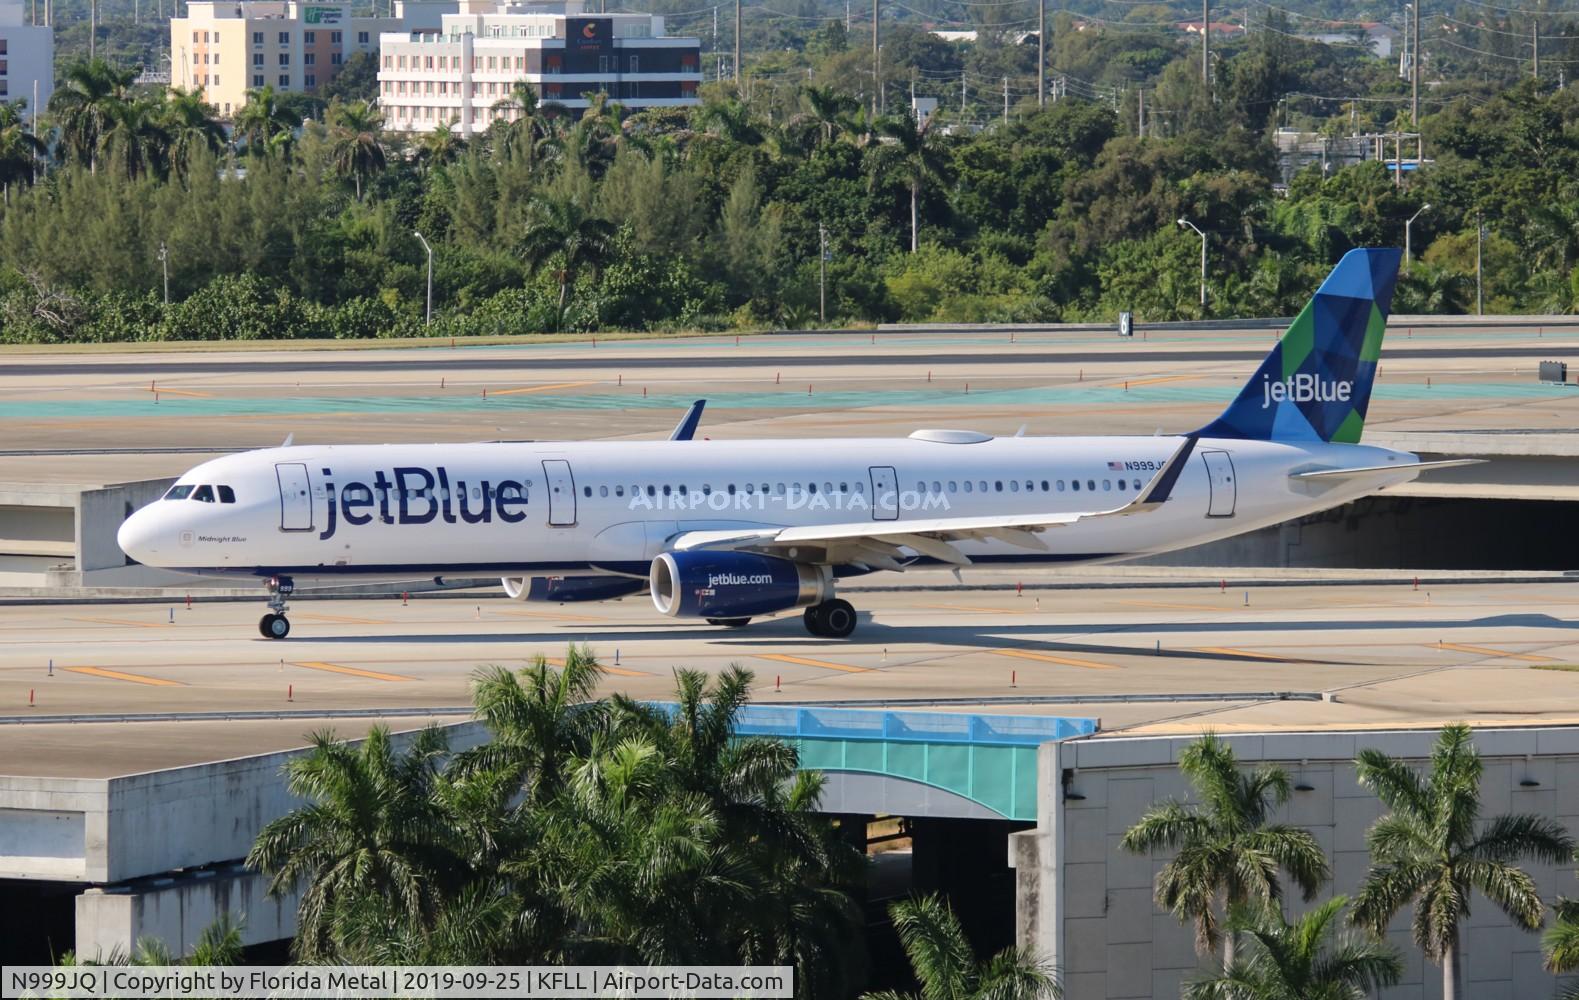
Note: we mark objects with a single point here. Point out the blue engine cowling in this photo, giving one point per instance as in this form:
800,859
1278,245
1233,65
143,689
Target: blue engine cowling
567,589
733,584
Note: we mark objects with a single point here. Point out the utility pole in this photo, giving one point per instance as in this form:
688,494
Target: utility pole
962,95
877,64
718,58
430,274
737,44
164,265
1006,100
1140,113
93,26
1480,238
1535,47
1206,47
1041,53
1414,75
822,273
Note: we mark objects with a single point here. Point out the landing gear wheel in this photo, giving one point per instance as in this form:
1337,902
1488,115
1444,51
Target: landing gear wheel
730,622
813,619
838,619
274,626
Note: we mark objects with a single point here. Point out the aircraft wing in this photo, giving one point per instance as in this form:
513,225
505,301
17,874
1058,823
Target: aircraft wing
1370,470
878,544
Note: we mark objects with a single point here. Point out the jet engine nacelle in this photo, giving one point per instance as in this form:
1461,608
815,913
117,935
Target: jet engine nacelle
567,589
734,584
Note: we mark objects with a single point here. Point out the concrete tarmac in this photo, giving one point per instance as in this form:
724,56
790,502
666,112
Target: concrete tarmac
1139,658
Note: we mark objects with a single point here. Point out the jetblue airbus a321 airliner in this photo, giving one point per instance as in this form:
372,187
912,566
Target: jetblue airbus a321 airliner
728,530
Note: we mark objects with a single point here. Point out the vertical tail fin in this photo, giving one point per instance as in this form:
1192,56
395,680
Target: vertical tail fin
1316,383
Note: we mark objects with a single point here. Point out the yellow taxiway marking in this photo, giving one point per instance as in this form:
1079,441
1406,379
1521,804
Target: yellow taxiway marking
116,675
121,621
805,662
556,661
539,388
1485,651
1068,661
342,619
967,607
554,616
335,668
1176,607
1247,654
162,391
1160,379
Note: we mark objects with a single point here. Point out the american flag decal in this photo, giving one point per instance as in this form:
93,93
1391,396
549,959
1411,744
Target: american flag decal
1116,466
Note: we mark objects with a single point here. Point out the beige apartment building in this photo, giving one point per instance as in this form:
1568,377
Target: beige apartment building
228,48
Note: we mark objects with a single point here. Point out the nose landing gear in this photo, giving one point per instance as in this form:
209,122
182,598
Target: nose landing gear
275,625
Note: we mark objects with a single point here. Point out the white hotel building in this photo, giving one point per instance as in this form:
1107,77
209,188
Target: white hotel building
458,73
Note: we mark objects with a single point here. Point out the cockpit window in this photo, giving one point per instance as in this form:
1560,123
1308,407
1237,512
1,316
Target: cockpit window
204,493
180,492
227,495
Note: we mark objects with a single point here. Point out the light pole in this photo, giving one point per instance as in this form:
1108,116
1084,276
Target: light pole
1480,238
1187,222
164,265
430,274
822,273
1423,208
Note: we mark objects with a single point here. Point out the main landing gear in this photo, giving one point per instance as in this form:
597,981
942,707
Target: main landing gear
833,619
275,625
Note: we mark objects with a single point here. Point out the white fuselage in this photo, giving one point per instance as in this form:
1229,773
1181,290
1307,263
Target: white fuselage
407,512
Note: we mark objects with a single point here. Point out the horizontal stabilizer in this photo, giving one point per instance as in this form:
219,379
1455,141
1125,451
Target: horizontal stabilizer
1373,469
685,430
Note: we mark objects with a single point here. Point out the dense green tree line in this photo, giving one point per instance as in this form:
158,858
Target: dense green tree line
713,217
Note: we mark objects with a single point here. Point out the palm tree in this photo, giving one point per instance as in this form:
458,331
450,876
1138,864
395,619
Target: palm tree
526,125
190,124
136,137
441,146
1561,944
920,157
1433,850
1300,960
85,105
828,108
731,118
20,148
563,229
356,148
264,124
1227,851
371,828
946,968
539,719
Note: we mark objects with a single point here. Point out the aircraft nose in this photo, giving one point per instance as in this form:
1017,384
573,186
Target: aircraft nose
138,536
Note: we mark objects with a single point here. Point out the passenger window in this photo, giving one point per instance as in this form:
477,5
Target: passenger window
998,485
707,489
1076,484
1107,484
731,489
967,486
179,492
204,493
953,486
619,491
665,489
845,487
1029,486
780,489
682,489
1060,486
937,487
652,491
764,487
1014,486
1091,484
751,488
811,487
227,495
586,491
858,487
603,491
1044,486
982,485
476,492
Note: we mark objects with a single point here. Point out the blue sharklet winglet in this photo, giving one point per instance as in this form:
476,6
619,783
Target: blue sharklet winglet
685,430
